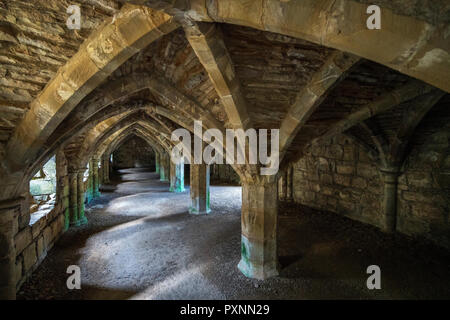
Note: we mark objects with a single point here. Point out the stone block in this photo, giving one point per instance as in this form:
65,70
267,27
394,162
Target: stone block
314,187
48,237
321,200
374,188
29,257
332,203
345,169
56,228
366,171
349,152
342,180
312,176
19,270
323,164
327,190
301,164
347,206
363,156
24,220
41,249
428,212
334,151
359,183
418,196
22,240
38,226
326,178
309,196
419,179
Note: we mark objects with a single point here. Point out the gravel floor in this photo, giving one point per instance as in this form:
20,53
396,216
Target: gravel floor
141,243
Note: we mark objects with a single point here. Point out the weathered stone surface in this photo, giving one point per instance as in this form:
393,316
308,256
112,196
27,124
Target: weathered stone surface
125,156
269,64
259,224
200,193
29,257
23,239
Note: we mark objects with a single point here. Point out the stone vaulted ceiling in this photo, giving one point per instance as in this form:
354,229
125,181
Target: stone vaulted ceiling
243,71
34,43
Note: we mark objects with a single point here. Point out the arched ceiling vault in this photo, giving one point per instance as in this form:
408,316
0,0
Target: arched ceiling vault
135,130
119,38
310,68
73,138
180,110
410,42
109,144
107,128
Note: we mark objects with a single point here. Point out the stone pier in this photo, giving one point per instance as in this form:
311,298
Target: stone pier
389,206
164,168
200,196
105,169
176,177
73,198
259,230
9,210
95,177
157,169
81,197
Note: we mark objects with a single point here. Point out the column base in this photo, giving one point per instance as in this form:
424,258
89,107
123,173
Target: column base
89,198
66,220
254,263
200,206
197,212
82,221
177,190
75,223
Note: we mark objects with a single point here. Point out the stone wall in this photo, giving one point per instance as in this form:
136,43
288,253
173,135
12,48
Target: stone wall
338,176
134,153
36,234
224,173
424,188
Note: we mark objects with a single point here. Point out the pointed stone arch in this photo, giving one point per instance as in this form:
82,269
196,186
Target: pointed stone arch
119,38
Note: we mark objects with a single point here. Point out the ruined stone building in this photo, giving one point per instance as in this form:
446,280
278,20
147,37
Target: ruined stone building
363,117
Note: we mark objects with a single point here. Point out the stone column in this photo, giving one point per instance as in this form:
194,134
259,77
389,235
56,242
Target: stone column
105,167
200,196
390,179
73,198
176,176
100,172
157,162
9,210
282,190
164,168
110,165
90,184
259,258
81,197
95,187
290,184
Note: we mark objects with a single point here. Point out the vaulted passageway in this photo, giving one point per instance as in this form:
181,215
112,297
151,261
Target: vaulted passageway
141,243
358,119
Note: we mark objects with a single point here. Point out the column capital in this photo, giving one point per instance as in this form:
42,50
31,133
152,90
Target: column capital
390,175
76,170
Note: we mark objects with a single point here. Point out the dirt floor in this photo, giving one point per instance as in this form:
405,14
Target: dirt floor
141,243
